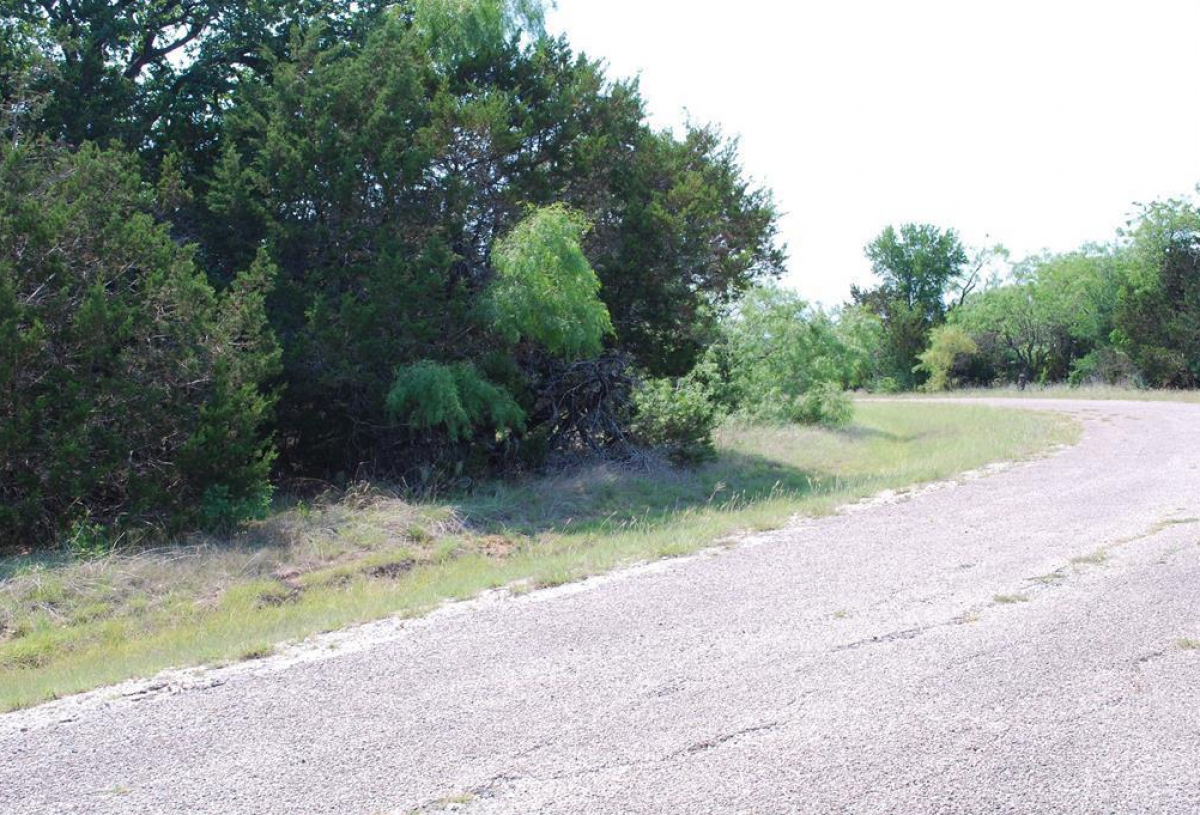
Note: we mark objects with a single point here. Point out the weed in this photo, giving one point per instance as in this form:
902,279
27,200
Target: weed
1010,599
256,652
1097,558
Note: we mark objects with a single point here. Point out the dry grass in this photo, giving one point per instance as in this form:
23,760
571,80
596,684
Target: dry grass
67,626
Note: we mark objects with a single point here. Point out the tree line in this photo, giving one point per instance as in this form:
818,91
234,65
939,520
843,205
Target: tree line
251,242
1126,312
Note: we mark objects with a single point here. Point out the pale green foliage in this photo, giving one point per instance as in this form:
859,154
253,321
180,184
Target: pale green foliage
1018,318
824,404
1080,290
861,334
780,349
948,344
545,290
1054,310
455,30
451,398
780,344
676,417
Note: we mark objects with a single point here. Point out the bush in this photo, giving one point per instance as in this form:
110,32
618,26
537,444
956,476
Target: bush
128,387
949,347
825,404
545,290
1105,366
886,384
453,399
222,511
677,418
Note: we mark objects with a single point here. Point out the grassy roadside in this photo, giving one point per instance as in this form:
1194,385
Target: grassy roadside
1097,392
68,626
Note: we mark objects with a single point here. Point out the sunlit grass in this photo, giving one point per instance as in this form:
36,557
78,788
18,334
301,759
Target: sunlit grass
1061,391
67,626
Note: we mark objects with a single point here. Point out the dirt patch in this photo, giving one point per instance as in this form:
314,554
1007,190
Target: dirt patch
393,570
281,595
496,546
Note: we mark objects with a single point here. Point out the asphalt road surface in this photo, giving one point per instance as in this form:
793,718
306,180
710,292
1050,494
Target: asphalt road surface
942,654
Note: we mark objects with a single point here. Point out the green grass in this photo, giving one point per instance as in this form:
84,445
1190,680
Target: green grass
1061,391
68,626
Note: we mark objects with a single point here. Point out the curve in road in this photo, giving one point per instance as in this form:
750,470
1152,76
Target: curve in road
1016,644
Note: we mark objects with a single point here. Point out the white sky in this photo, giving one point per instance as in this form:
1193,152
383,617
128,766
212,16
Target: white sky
1033,123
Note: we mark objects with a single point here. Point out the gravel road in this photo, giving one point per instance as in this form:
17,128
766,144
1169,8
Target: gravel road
942,654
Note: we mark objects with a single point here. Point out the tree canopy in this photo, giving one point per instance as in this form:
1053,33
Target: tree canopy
450,241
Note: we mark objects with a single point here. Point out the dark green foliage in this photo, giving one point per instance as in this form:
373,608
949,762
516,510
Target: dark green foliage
1105,366
127,386
462,234
383,178
160,72
918,268
677,418
680,236
1158,311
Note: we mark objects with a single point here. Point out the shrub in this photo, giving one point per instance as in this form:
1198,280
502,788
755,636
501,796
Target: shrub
222,511
128,387
949,347
677,418
886,384
825,404
544,288
1105,366
454,399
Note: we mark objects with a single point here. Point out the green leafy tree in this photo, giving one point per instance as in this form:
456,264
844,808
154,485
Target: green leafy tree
1020,320
680,236
919,267
1078,293
130,391
378,163
162,71
544,290
1056,310
393,194
949,345
779,350
455,399
1158,311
